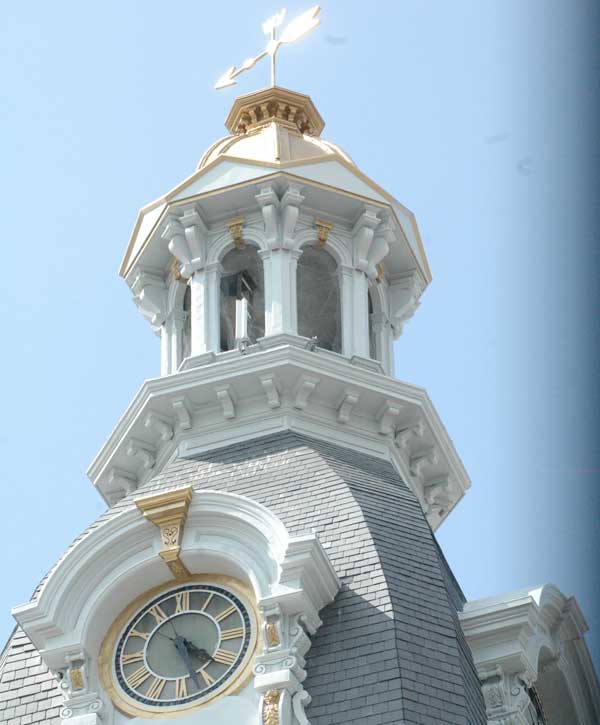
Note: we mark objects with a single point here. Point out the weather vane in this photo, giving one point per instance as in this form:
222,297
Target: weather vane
292,32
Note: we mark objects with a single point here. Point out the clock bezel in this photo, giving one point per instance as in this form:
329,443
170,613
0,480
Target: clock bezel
238,680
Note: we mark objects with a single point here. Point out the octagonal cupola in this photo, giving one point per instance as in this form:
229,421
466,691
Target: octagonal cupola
276,236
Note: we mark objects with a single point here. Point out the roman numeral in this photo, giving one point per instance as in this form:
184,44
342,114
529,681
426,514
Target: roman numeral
137,633
225,613
132,657
156,688
157,613
182,602
135,679
206,677
224,657
232,633
207,601
180,688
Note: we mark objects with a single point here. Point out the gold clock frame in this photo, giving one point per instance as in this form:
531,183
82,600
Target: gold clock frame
237,681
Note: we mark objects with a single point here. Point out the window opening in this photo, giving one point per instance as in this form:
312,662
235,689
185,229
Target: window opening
318,290
242,298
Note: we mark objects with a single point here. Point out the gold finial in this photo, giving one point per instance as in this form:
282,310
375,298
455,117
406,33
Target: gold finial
291,33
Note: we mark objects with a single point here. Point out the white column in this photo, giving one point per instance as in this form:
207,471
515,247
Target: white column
199,312
380,327
346,286
213,283
175,333
279,273
165,349
360,313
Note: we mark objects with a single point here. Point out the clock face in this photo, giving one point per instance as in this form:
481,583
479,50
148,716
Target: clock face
182,647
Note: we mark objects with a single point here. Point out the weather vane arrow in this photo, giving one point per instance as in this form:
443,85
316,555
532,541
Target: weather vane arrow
292,32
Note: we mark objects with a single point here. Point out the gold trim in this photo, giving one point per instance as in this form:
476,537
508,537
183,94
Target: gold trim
168,511
323,229
270,707
235,227
238,680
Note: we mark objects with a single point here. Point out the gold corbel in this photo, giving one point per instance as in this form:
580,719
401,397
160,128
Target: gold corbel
168,511
236,226
323,229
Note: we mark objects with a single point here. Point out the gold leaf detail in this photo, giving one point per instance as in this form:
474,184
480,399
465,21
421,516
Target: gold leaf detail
270,707
76,679
272,635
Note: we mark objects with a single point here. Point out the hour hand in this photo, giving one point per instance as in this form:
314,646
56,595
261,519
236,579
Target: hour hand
197,651
181,647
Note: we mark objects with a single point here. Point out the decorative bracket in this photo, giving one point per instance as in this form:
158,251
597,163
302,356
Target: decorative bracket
146,452
349,400
303,390
362,234
227,398
186,237
404,435
161,425
270,387
168,511
404,293
120,484
280,216
183,413
419,460
150,296
386,415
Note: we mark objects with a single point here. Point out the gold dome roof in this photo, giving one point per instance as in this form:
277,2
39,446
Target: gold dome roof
273,126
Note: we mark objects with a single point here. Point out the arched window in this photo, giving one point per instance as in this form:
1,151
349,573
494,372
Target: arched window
318,290
242,313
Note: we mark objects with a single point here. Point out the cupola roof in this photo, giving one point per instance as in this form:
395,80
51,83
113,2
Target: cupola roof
274,125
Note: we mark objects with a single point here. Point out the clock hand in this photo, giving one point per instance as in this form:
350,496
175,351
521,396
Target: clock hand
179,643
197,651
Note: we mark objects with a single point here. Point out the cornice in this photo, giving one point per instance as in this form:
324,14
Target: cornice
231,397
168,201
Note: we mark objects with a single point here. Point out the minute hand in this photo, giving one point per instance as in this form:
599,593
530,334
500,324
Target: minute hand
183,653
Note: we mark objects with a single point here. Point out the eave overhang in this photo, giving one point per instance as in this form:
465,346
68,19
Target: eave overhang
281,385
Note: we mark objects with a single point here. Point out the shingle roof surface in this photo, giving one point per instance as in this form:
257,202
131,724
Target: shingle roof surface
391,649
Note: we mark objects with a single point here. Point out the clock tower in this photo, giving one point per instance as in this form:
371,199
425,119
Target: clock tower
268,555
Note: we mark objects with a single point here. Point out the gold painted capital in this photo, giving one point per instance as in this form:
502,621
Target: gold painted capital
323,229
235,229
168,511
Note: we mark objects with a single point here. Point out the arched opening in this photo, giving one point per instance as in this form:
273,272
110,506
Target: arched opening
318,291
242,304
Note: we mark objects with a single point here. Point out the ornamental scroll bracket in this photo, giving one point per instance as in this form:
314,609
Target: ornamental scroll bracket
280,216
74,683
168,511
186,237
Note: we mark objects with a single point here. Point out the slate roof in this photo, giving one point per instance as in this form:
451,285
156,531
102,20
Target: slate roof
391,649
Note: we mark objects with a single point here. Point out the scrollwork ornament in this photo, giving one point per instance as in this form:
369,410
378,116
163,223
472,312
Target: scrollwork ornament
66,712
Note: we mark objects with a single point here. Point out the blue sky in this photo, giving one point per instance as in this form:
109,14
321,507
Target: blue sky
478,115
